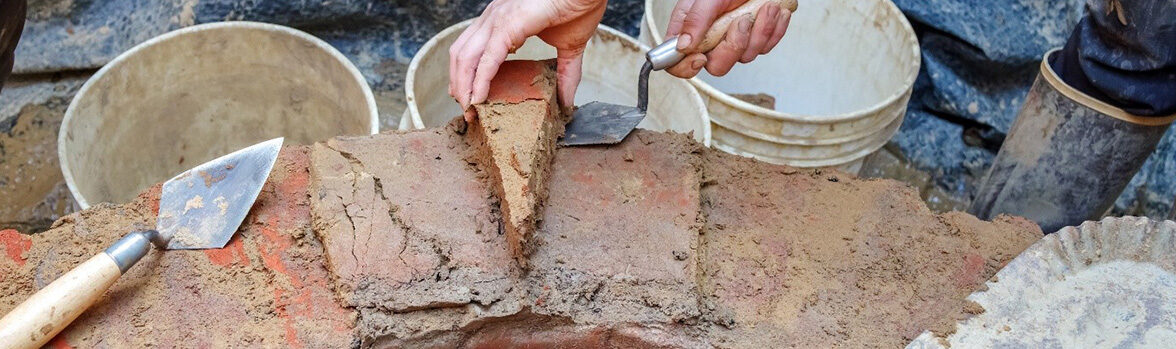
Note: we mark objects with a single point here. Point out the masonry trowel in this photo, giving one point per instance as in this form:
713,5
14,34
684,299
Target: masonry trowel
603,123
198,209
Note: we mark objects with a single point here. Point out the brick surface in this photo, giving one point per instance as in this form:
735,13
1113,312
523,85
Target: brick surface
619,235
409,227
514,140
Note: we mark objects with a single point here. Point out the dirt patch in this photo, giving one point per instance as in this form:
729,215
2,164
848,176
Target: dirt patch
821,259
759,99
266,288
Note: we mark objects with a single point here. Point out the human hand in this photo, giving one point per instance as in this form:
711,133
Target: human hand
475,57
744,41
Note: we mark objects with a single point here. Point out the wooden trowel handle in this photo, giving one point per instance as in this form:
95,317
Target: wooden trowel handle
718,30
667,55
53,308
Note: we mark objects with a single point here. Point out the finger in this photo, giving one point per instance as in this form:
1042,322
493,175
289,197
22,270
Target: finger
568,73
496,51
677,17
723,57
689,66
455,49
698,19
761,32
781,28
467,64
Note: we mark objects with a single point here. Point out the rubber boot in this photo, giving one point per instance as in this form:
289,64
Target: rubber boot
1067,157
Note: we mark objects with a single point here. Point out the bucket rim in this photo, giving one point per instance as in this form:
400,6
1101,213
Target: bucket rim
657,35
67,119
849,156
882,127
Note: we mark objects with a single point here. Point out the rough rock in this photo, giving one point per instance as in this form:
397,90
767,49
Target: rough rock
514,136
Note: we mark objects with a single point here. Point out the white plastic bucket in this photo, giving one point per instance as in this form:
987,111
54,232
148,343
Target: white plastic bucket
194,94
612,62
842,75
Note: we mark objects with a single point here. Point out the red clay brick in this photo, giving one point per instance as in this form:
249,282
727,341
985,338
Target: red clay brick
514,140
620,231
408,227
518,81
15,245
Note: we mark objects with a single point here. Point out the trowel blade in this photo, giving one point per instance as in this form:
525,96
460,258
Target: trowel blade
202,207
601,123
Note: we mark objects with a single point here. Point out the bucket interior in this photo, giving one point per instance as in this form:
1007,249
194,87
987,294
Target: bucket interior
154,113
838,57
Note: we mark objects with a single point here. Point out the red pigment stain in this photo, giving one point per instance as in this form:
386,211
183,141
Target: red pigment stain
291,332
515,82
584,178
15,245
59,342
286,207
233,253
970,273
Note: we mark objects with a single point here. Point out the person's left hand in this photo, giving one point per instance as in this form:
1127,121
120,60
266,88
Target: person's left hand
475,57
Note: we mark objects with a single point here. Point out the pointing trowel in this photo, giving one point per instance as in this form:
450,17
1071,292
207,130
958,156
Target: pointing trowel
198,209
604,123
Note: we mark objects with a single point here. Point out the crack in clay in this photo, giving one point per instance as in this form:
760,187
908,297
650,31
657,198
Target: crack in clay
353,229
358,170
408,231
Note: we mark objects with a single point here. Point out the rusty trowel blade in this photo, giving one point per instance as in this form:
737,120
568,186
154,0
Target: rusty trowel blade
202,207
601,123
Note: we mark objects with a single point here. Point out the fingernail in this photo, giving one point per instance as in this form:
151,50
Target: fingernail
684,41
745,24
698,63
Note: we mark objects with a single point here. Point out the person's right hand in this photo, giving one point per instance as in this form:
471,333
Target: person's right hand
475,57
744,41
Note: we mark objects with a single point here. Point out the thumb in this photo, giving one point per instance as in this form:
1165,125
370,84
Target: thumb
570,64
